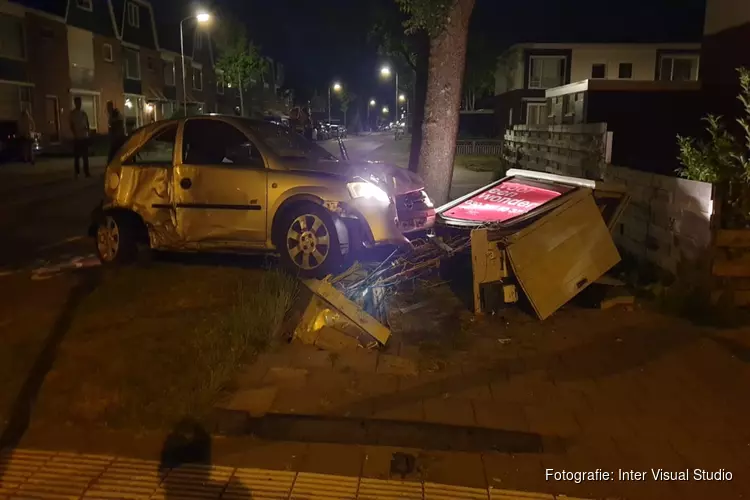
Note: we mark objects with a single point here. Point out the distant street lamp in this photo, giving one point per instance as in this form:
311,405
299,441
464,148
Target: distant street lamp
372,105
202,18
385,71
336,88
385,110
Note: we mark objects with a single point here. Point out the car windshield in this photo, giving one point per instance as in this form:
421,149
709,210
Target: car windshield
288,144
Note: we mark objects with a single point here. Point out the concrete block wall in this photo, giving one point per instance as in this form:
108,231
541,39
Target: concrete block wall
669,220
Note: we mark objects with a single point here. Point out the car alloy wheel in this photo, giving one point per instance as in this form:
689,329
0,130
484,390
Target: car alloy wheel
108,239
308,241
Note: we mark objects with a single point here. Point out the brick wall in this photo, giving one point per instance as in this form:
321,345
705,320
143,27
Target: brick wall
668,221
108,78
48,47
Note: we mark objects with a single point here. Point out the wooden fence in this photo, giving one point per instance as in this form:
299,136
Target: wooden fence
580,150
479,147
669,221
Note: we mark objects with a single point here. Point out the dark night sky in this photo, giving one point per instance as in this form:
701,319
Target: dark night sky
322,40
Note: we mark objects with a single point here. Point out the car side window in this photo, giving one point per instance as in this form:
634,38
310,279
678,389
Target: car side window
158,150
215,142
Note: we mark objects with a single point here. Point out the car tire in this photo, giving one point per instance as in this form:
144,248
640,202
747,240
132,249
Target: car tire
308,242
116,239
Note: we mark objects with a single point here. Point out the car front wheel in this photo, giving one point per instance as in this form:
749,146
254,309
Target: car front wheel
116,240
308,242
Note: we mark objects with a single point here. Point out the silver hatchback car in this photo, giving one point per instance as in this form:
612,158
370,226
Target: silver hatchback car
223,183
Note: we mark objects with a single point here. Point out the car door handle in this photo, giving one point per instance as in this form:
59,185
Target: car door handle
186,183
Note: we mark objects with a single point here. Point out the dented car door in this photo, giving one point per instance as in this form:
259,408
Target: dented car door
220,185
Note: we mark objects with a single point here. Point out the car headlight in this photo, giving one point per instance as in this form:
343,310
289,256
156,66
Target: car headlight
367,190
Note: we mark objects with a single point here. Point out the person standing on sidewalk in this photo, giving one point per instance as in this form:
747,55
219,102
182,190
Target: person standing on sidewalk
116,130
26,128
79,125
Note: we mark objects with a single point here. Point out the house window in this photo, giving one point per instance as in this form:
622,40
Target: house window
220,83
625,70
107,52
546,72
134,15
197,78
12,40
536,113
678,68
85,5
598,71
90,106
132,64
169,78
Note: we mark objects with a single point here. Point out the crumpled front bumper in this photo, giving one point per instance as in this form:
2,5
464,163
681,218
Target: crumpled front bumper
379,222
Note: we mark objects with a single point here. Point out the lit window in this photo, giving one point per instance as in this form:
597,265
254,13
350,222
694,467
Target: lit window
132,64
679,68
197,78
107,52
134,15
546,72
85,5
169,78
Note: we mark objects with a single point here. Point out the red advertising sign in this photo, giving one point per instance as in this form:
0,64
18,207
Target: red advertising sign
502,202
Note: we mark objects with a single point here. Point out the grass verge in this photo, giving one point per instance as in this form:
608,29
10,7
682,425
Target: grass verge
146,347
479,163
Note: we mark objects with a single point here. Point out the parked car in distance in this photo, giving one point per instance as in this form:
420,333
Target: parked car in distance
342,131
230,184
10,142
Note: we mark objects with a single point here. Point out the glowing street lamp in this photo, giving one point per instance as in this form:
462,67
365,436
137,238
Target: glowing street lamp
336,86
372,105
386,72
385,110
202,18
372,102
402,98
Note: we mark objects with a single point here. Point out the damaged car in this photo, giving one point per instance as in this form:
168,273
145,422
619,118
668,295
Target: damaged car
231,184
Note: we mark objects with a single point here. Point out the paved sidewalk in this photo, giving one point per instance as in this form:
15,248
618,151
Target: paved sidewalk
15,177
584,390
43,474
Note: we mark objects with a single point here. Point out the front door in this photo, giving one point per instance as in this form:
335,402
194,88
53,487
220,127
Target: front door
52,117
219,185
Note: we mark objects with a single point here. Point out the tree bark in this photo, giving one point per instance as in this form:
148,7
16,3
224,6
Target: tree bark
420,94
443,102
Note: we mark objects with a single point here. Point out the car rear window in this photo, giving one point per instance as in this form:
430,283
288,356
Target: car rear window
505,201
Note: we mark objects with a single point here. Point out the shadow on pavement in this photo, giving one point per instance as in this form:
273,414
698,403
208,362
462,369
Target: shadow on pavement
23,406
185,465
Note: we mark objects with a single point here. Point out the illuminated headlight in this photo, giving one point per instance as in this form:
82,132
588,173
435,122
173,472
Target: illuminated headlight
427,201
367,190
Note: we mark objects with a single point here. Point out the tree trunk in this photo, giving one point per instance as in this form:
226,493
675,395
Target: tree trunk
444,82
420,94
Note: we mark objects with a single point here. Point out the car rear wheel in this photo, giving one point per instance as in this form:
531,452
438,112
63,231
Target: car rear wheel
308,242
116,240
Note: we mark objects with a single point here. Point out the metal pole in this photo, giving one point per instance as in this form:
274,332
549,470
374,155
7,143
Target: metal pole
368,116
182,54
242,98
398,115
329,104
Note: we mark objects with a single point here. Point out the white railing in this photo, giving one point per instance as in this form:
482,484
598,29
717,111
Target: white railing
479,147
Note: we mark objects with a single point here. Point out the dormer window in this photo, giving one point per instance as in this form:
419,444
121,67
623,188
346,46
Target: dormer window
134,15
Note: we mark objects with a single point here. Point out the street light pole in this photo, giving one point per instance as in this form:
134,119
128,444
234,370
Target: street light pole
182,54
329,104
201,17
397,108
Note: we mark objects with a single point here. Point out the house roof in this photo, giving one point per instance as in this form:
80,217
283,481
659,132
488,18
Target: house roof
604,45
54,7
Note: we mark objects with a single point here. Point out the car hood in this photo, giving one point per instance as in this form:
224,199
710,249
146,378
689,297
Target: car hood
395,180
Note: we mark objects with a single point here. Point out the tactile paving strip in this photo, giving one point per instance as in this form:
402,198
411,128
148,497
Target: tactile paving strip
42,475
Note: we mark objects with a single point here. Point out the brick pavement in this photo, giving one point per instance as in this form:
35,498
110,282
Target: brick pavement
595,389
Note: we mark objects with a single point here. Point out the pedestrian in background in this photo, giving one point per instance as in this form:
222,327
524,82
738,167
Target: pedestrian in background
79,125
26,129
116,130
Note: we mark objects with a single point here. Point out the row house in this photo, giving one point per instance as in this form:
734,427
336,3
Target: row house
525,72
100,51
